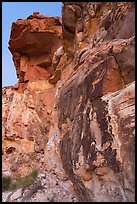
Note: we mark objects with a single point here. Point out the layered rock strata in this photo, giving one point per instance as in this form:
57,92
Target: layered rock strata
78,121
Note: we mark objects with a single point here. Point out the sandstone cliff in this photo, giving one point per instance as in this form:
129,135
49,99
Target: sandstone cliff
71,114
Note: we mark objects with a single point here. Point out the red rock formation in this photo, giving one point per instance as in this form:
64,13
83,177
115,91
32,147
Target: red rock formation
32,43
79,123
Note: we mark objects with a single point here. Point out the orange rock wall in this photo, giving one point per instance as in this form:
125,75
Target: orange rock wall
74,106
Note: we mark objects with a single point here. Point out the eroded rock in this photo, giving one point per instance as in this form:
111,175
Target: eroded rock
33,42
75,115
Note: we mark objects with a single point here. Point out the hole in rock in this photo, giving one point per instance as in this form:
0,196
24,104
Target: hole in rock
10,150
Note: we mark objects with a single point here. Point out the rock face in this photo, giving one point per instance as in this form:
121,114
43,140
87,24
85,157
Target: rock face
33,42
47,188
78,121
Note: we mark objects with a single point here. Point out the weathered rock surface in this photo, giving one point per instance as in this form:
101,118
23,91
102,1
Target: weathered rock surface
33,42
78,124
47,188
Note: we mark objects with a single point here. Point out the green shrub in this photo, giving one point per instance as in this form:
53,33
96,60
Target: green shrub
50,28
13,186
34,173
24,182
6,181
9,184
